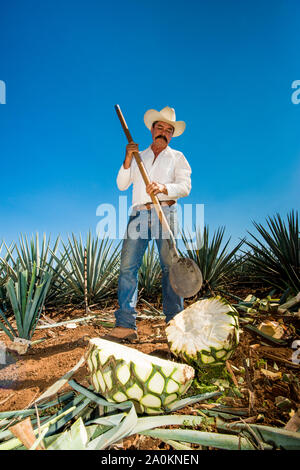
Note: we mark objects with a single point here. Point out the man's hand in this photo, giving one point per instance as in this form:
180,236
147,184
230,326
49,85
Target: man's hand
130,149
156,188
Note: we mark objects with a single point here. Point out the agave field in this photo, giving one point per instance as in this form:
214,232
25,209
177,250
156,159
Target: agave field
223,374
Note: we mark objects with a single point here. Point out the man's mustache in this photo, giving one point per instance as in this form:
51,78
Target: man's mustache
161,137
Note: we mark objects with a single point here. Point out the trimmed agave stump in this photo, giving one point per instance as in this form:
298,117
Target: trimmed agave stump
205,334
120,373
19,345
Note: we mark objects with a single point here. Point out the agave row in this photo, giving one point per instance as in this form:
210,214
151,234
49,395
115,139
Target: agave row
273,258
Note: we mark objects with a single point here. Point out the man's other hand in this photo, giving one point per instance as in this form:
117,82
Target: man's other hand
156,188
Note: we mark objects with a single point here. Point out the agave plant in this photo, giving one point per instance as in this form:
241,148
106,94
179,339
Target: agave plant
28,253
102,264
27,296
216,263
150,272
275,256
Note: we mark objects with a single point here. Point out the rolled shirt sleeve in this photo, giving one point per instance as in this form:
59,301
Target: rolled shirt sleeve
181,187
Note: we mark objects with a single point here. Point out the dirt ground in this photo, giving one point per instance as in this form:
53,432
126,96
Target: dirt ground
23,378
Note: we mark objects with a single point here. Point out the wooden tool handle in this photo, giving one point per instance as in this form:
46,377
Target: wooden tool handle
155,200
135,154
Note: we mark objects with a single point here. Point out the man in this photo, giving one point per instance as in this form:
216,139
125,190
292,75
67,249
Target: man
170,176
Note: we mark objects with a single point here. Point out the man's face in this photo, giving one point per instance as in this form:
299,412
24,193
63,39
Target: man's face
162,133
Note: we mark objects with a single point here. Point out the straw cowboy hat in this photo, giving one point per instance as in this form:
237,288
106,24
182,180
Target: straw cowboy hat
166,114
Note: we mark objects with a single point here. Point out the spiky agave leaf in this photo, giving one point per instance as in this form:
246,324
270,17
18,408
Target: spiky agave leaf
215,262
121,373
75,438
205,333
275,257
102,268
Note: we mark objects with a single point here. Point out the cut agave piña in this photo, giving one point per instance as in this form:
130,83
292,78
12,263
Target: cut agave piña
205,333
121,373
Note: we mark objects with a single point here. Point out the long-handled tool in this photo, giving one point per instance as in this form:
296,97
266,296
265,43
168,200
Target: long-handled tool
184,274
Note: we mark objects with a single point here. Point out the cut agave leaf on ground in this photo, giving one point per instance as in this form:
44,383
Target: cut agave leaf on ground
100,401
211,439
67,322
61,421
217,414
145,424
179,445
74,439
276,437
121,373
39,443
111,420
11,416
191,400
61,382
54,423
115,434
205,333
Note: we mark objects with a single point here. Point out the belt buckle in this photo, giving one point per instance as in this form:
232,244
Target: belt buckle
168,203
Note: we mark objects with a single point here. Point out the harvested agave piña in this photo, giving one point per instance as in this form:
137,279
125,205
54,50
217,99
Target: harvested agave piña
121,373
205,333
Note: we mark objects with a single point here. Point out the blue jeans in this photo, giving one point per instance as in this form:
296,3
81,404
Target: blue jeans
141,228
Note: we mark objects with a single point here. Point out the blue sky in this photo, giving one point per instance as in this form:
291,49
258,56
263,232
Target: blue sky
227,67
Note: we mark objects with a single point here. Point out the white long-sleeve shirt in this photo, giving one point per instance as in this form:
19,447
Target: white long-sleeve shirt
170,168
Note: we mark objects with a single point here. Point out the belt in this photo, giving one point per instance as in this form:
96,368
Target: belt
150,205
